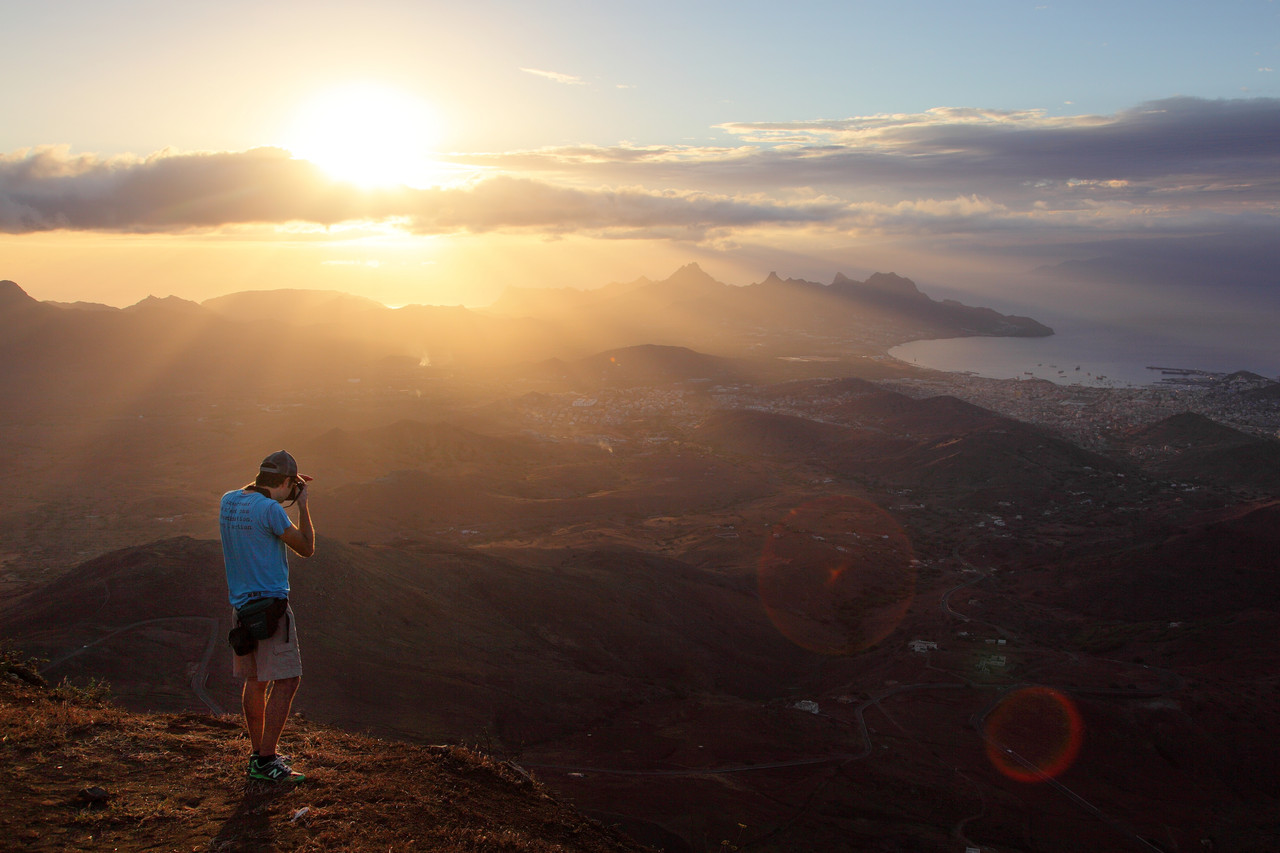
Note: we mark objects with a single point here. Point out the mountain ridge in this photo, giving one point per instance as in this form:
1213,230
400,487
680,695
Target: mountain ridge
691,284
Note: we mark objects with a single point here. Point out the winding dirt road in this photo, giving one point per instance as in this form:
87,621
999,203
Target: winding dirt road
198,679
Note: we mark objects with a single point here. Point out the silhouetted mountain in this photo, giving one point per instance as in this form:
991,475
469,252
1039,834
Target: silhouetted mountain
769,434
82,306
65,358
690,305
11,295
253,342
1192,447
169,304
688,282
292,307
525,649
882,284
1188,429
892,297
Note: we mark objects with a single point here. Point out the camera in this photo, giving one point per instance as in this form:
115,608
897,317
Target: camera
296,485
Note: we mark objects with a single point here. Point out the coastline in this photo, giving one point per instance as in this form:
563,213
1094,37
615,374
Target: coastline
1088,356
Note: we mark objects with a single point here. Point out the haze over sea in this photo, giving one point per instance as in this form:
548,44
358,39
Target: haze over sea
1093,353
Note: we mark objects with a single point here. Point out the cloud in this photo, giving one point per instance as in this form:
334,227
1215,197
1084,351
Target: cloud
50,189
1170,167
566,79
1177,157
47,188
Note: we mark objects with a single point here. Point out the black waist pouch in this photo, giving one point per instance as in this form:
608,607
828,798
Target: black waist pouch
256,621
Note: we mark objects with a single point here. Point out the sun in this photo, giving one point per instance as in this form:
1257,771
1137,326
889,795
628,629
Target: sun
369,134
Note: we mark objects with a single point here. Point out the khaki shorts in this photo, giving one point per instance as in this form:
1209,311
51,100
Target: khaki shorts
276,657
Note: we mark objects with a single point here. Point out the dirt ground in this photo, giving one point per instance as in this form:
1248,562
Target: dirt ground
79,774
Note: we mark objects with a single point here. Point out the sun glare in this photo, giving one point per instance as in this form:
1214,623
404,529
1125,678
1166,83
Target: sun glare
369,135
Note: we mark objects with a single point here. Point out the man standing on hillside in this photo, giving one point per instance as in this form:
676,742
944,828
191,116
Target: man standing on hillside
255,531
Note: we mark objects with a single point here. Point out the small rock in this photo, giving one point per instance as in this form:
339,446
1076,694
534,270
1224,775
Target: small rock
28,675
95,796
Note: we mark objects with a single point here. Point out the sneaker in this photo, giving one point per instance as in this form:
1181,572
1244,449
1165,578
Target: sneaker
254,759
273,770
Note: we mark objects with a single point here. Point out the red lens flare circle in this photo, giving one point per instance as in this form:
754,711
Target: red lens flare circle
1034,734
837,575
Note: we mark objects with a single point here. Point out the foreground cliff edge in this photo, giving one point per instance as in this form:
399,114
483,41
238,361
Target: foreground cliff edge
82,774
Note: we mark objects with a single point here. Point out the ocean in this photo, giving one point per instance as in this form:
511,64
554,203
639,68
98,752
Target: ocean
1096,355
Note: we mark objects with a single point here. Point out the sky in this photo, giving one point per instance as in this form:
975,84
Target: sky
1120,159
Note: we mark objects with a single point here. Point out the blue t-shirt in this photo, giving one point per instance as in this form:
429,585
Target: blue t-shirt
252,550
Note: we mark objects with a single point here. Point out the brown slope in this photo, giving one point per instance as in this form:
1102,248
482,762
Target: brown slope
967,454
756,433
1021,463
426,446
174,577
1188,429
571,486
900,414
652,364
81,775
1219,566
57,358
423,641
1190,446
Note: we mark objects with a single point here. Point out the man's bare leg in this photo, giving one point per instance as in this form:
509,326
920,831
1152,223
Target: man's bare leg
253,701
279,701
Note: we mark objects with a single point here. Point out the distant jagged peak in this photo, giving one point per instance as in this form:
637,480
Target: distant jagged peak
165,303
691,276
892,283
12,294
775,280
886,283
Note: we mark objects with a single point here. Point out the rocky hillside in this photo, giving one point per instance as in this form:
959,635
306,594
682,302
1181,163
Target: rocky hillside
81,774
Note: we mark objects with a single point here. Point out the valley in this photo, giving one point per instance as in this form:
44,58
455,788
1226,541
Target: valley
784,595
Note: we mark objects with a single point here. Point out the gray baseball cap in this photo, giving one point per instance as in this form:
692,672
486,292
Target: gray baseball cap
281,462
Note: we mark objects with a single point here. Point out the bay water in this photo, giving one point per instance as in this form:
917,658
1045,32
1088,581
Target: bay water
1095,354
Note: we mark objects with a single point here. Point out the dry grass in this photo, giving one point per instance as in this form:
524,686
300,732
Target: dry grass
176,782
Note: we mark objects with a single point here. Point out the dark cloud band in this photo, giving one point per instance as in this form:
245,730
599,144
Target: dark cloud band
1174,164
